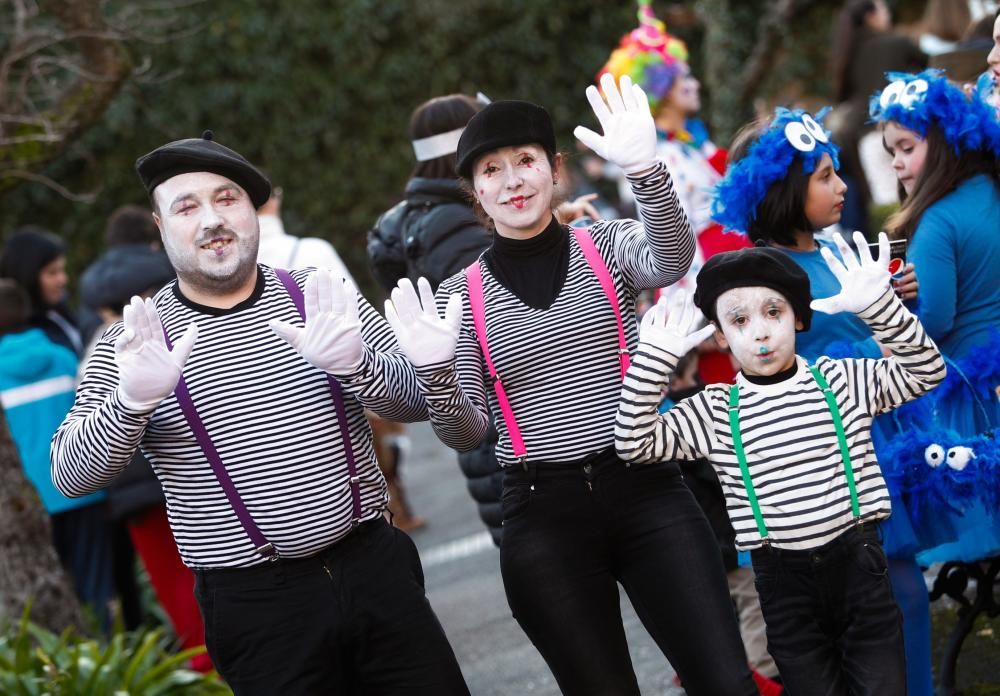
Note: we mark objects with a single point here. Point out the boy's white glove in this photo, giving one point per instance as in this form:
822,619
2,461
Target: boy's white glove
423,335
629,138
861,283
670,324
331,336
148,371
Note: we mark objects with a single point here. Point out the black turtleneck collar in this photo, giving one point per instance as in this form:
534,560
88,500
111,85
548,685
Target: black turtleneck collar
533,269
775,378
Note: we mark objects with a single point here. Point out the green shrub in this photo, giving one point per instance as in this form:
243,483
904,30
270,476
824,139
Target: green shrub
34,661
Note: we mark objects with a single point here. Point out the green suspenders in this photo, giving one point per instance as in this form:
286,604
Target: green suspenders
734,427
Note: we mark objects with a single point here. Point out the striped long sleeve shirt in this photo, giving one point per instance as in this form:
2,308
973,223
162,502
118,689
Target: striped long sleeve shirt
270,415
787,430
559,365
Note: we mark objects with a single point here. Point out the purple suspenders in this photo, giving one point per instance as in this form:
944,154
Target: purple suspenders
261,544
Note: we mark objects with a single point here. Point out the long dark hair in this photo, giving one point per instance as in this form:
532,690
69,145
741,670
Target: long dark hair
942,172
782,212
845,43
27,251
436,116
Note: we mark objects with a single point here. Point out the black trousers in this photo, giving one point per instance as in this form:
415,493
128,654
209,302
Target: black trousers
833,626
352,619
571,534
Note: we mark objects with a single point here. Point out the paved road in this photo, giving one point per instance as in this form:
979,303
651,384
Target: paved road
462,569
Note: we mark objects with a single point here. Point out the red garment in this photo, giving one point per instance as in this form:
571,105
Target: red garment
172,581
716,366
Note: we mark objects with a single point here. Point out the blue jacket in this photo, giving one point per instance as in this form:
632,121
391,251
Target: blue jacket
37,387
956,252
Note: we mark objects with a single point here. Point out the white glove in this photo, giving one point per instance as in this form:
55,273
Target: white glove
670,324
148,371
424,337
629,138
861,284
331,337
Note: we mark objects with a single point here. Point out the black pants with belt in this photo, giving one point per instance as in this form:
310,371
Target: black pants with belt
572,533
353,619
833,626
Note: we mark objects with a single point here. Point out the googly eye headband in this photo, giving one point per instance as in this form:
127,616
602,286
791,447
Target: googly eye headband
917,101
791,134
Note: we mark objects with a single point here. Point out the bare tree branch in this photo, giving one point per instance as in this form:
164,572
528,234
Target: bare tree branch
89,197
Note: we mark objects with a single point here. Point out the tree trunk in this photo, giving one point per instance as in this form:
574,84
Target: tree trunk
30,570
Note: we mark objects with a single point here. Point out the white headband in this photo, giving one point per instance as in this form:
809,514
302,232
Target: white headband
437,145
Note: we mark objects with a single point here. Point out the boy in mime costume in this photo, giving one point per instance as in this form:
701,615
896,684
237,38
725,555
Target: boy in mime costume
792,447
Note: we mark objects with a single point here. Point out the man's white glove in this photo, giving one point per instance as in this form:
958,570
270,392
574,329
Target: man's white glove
423,335
671,324
148,371
331,337
861,283
629,138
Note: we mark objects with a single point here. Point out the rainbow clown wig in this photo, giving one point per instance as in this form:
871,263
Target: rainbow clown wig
790,134
650,56
917,101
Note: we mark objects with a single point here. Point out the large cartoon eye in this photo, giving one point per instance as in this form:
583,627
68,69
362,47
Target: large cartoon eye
934,455
959,457
814,129
913,92
799,137
890,95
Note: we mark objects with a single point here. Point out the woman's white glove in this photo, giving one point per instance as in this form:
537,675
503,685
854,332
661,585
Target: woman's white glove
629,138
671,324
331,336
423,335
861,283
148,371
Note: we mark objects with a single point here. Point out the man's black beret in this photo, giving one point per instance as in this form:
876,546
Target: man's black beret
754,267
500,124
202,155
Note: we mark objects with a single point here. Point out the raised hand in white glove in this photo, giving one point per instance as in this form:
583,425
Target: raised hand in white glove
861,283
423,335
671,324
148,371
629,138
331,337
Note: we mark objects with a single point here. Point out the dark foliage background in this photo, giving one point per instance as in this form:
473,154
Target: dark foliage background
319,94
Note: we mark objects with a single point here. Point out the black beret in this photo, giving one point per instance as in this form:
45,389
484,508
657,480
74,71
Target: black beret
202,155
500,124
754,267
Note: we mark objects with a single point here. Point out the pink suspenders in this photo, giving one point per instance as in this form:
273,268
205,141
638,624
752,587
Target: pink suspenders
474,278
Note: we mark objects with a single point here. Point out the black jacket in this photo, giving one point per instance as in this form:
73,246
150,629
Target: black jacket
432,233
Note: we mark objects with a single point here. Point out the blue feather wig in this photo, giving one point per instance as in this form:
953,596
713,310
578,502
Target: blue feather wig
917,101
790,134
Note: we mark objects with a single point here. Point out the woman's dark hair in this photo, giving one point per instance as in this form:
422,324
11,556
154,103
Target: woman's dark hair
485,220
845,43
947,19
782,211
27,251
440,115
942,172
15,307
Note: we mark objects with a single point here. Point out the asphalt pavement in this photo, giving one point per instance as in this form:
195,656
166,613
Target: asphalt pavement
462,570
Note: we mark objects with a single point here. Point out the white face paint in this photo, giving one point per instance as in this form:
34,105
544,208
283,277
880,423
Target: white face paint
209,229
758,325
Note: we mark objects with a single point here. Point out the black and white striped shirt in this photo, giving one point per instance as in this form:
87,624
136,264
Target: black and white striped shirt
270,415
559,365
787,431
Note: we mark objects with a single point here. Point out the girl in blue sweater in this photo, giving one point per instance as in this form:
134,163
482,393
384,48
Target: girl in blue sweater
946,156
